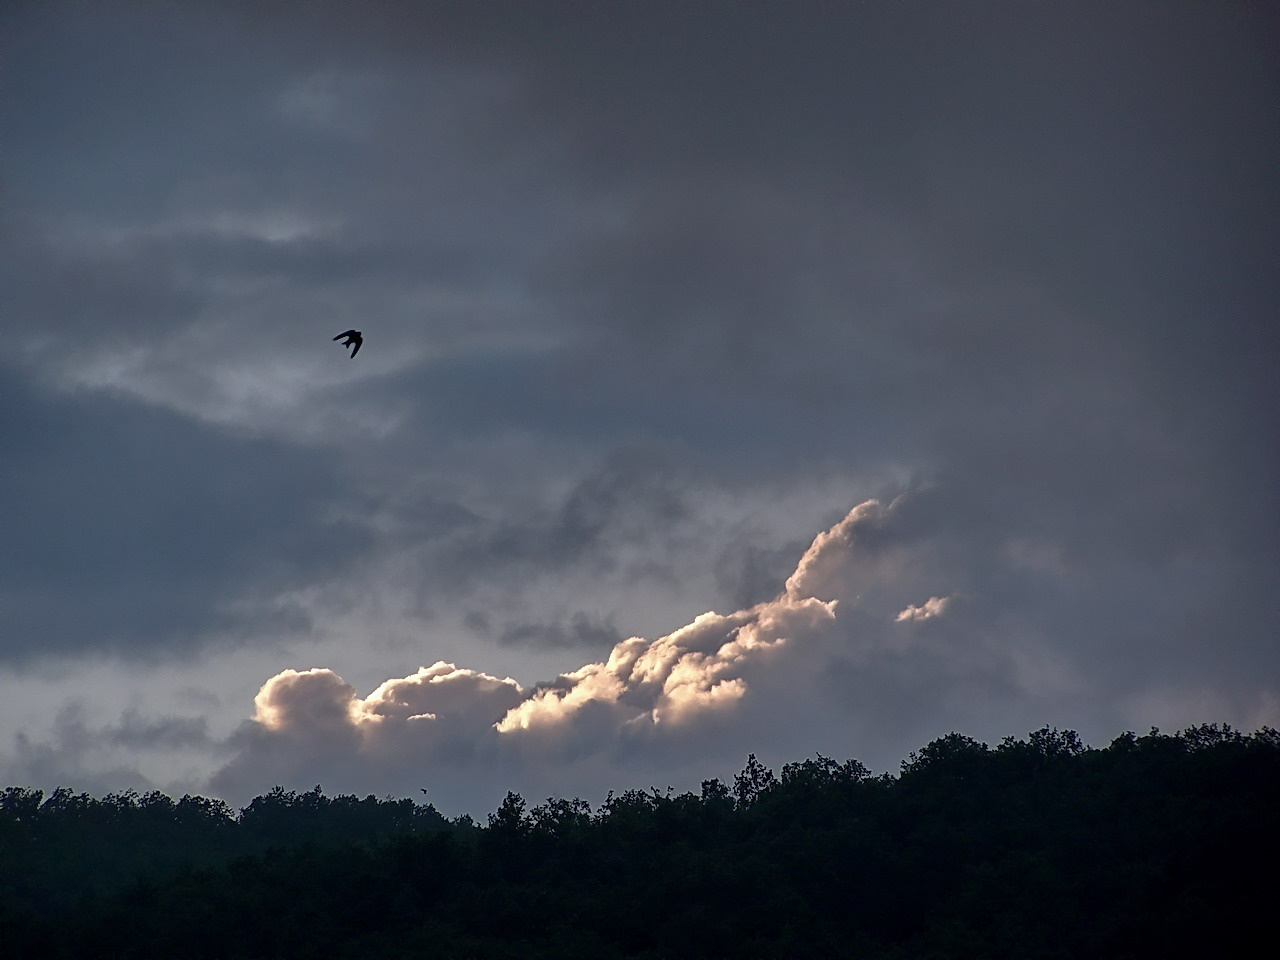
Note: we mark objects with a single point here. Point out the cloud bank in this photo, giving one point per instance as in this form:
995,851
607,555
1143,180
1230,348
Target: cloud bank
443,721
846,659
650,290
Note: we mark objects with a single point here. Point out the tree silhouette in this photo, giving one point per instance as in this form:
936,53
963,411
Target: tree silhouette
1156,845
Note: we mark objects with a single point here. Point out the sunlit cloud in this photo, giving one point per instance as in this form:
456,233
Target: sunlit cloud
312,701
671,680
933,607
443,691
645,691
318,700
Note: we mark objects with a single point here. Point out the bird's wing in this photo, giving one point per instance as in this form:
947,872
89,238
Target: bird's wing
341,335
356,347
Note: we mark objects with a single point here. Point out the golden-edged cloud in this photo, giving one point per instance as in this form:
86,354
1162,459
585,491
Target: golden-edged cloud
933,607
663,690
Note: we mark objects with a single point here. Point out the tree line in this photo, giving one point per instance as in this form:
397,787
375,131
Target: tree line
1156,845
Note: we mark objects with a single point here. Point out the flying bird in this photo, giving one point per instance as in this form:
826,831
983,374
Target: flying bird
354,339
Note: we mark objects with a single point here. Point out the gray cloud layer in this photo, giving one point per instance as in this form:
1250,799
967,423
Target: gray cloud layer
132,529
650,292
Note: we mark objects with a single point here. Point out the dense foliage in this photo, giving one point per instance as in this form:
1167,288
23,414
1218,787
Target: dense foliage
1162,845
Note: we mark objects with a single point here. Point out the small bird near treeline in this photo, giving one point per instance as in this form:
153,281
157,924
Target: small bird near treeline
353,340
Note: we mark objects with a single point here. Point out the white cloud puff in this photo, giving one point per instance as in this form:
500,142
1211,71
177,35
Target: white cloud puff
318,701
700,667
305,700
820,571
933,607
443,691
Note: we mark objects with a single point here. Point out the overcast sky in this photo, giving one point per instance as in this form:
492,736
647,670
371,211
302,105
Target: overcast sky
781,377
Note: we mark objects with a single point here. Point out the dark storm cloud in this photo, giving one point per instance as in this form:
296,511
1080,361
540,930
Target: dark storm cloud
136,730
86,755
627,500
620,263
114,294
135,532
902,228
579,630
617,522
749,573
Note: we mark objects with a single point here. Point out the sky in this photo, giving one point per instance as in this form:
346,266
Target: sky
738,377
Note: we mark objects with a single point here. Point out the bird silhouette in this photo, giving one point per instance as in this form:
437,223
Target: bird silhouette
354,339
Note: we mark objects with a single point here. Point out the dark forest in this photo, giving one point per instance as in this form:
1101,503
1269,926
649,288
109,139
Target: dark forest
1159,845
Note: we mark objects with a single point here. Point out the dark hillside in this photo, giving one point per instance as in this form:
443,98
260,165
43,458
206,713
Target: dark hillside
1154,846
